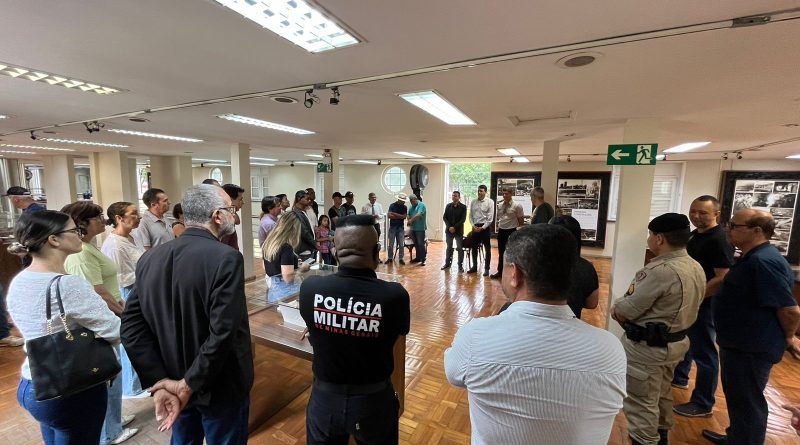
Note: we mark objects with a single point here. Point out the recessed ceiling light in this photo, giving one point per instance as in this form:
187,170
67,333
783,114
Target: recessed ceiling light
408,154
139,120
155,135
98,144
521,159
7,69
253,158
283,99
264,124
36,147
262,164
364,161
296,21
306,163
310,155
219,161
508,151
433,103
441,161
686,147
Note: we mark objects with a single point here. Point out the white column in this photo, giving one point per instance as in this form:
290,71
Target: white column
550,171
59,180
635,194
330,180
173,174
240,175
110,177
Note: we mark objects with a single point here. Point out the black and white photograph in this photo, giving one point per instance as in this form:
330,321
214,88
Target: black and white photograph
782,200
742,201
778,213
587,204
786,186
744,186
763,186
760,200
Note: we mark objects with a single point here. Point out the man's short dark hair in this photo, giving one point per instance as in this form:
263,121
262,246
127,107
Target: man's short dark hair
356,221
457,192
268,203
546,255
150,196
17,191
706,198
764,222
482,187
280,196
232,190
298,195
571,224
336,195
677,238
210,181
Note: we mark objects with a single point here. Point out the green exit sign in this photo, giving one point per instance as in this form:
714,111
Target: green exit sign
324,168
632,154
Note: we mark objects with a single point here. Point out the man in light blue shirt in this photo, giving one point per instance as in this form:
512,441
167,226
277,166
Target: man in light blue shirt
535,373
416,220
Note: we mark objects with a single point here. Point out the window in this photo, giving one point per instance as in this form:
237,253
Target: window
394,179
663,200
259,187
216,174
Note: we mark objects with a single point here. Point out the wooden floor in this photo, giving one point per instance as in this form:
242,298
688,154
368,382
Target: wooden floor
435,413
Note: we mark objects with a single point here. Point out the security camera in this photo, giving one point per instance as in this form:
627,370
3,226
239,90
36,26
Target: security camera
380,162
33,135
335,99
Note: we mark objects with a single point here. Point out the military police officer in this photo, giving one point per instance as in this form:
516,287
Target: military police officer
659,306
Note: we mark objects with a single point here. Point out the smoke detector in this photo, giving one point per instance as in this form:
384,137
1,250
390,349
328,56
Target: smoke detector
578,60
283,99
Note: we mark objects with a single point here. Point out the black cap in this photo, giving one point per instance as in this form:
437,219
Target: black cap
17,191
669,222
336,195
348,195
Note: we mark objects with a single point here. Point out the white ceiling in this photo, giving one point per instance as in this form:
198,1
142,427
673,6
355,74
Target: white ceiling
734,87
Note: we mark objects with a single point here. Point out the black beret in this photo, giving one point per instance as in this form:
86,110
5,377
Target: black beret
669,222
336,195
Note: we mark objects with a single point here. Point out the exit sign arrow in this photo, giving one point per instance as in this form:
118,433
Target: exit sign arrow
619,154
632,154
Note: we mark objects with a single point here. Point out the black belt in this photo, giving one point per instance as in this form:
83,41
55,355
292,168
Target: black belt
352,389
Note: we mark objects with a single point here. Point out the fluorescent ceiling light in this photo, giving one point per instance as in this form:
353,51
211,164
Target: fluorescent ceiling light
407,154
660,157
296,21
36,147
99,144
154,135
441,161
305,163
686,147
315,156
364,161
264,124
3,116
263,165
508,151
18,152
793,157
520,159
220,161
263,159
215,165
7,69
434,104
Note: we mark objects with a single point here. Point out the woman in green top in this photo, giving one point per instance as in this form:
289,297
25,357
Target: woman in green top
101,273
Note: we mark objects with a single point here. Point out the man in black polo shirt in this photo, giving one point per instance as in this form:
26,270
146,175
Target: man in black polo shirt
354,320
756,317
710,247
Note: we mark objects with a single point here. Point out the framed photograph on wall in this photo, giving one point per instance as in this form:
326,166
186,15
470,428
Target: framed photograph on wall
522,183
773,192
584,196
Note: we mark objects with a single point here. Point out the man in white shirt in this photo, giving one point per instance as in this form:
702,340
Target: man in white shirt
535,373
481,215
374,208
509,216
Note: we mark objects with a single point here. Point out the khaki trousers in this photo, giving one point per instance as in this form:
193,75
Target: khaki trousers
648,406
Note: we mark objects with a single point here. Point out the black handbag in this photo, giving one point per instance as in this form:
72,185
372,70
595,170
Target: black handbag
68,362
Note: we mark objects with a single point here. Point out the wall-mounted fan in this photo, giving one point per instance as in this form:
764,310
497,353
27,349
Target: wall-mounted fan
418,179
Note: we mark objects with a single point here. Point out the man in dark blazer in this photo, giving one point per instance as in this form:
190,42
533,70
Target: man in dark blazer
308,243
185,326
454,216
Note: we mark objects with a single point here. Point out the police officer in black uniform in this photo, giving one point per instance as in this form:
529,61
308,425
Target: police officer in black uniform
354,320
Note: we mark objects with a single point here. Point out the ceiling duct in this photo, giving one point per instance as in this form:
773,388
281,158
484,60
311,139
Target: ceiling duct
557,117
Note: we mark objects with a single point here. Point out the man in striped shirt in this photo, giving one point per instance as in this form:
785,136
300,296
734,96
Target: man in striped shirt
566,385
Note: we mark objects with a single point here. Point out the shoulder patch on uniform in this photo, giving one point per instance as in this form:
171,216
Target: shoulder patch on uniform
640,275
630,290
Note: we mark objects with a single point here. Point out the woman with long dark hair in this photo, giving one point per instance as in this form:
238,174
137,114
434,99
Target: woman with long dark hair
50,237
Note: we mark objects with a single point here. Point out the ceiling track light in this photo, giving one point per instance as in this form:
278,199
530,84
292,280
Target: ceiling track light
311,98
569,159
335,99
724,156
738,155
511,160
33,135
93,126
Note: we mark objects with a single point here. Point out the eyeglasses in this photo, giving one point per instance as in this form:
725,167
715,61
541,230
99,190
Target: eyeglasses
77,230
231,209
733,226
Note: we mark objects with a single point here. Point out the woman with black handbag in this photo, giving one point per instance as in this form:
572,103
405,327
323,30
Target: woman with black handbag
69,409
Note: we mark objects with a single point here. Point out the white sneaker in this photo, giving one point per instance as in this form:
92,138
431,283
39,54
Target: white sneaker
126,420
11,340
126,434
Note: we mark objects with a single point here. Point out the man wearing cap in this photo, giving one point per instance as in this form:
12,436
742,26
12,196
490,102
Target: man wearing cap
397,216
656,311
337,210
374,208
349,208
417,221
20,198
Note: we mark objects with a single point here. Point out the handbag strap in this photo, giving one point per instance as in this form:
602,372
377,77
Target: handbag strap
48,312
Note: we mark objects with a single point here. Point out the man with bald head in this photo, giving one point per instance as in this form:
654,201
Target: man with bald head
756,317
353,320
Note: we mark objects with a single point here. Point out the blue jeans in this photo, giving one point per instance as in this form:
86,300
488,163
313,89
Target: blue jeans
73,420
131,385
459,239
419,244
280,289
744,378
328,258
219,424
396,235
703,351
332,417
4,330
112,426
